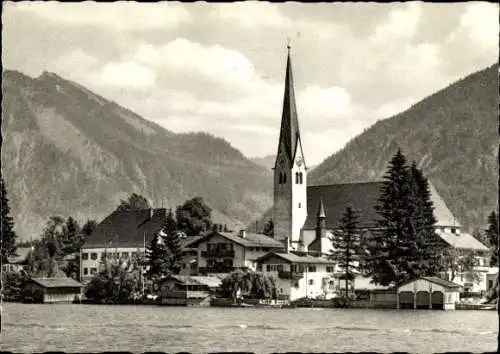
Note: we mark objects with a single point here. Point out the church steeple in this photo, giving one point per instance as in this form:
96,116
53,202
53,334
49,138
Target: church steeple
290,172
289,132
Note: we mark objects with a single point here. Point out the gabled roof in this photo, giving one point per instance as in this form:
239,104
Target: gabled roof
435,280
289,132
20,256
58,282
463,241
250,239
293,258
362,197
126,228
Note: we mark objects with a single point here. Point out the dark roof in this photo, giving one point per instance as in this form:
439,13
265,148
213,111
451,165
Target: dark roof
58,282
289,132
250,239
361,197
20,256
127,228
293,258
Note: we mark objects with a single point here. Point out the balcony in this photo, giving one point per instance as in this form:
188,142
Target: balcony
218,254
215,270
283,274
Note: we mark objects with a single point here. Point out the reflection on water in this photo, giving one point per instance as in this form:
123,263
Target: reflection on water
86,328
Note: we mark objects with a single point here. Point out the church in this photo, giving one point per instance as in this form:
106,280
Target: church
305,217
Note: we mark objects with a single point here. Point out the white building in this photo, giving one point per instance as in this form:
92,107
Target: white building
121,235
223,252
299,276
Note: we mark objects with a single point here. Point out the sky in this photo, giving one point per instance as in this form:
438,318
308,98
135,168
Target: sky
220,68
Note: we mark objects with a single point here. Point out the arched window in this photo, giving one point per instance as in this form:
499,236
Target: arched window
297,180
284,178
281,178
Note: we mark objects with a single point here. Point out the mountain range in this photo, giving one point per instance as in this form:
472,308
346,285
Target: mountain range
452,135
68,151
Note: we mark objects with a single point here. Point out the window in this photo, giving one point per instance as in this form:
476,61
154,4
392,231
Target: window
85,271
311,269
311,281
284,178
93,256
490,284
297,177
273,267
329,269
93,271
300,177
259,267
125,255
85,256
299,204
453,230
103,256
134,254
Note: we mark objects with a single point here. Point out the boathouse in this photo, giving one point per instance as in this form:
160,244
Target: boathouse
428,293
186,290
55,290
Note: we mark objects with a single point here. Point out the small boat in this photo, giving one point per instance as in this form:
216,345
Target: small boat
487,307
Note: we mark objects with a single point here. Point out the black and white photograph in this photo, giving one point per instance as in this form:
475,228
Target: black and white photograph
250,176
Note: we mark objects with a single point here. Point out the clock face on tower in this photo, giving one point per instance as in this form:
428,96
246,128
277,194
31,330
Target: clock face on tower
300,161
282,162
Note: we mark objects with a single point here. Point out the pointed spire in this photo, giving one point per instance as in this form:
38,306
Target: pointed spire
321,210
289,133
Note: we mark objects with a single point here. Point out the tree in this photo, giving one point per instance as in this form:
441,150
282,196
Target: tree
172,243
346,245
114,284
492,234
248,283
269,228
164,253
428,245
406,245
71,239
389,247
460,262
46,256
194,217
9,237
88,228
134,202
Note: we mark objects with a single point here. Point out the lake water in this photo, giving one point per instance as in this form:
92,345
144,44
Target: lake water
93,328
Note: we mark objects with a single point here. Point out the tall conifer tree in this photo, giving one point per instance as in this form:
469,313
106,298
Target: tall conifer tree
346,245
492,235
9,237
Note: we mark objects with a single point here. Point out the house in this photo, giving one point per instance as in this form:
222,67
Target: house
306,216
428,293
55,290
189,256
121,235
223,252
17,262
299,276
189,290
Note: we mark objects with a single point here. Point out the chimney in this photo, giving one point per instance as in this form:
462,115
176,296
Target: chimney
243,233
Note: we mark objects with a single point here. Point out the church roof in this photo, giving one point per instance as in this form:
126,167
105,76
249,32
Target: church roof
361,197
126,228
289,133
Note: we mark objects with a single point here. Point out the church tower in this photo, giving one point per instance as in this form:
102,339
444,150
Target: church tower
290,173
